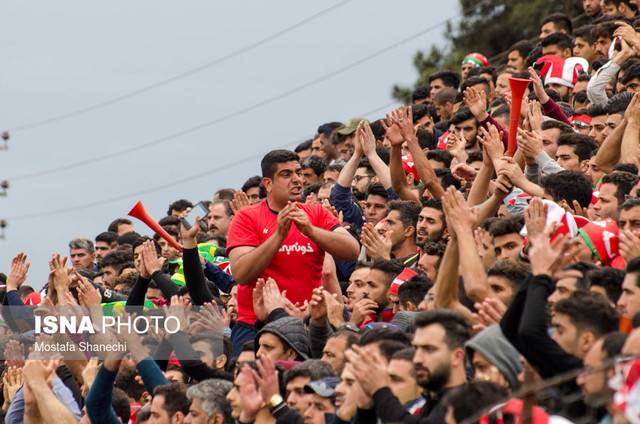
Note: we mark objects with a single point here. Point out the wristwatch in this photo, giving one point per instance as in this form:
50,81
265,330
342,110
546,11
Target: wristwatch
275,401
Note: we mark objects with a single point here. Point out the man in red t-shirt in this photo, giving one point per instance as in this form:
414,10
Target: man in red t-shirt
282,239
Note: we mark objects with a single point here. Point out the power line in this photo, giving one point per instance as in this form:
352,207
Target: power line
176,77
153,189
230,115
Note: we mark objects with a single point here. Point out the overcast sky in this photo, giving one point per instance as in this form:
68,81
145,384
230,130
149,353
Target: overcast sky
64,55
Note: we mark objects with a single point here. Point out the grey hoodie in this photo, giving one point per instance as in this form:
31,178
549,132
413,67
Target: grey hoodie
494,346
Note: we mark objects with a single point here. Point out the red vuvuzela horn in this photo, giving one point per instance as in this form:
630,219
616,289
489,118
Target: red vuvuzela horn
139,212
518,87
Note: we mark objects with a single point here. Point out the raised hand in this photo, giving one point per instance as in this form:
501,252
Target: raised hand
393,133
258,300
251,399
14,354
152,263
332,209
377,246
284,220
535,218
240,201
530,143
403,118
477,102
273,299
179,309
362,309
538,86
490,312
629,245
301,220
59,274
88,295
18,274
266,377
369,369
317,306
366,139
463,172
335,308
459,215
547,258
11,381
492,142
188,236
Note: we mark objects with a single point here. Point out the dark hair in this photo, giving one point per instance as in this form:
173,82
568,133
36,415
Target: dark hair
623,181
350,337
449,78
447,179
582,283
414,290
612,344
465,400
377,129
533,56
455,325
585,147
426,139
569,186
585,32
388,348
310,189
107,237
617,3
117,260
169,221
379,334
523,47
113,227
631,203
503,226
179,206
475,156
120,404
440,155
478,71
515,273
228,210
391,268
559,39
251,182
305,145
633,267
328,128
603,29
273,158
315,163
408,210
434,248
422,92
630,73
446,95
608,278
560,20
472,81
126,380
589,311
404,355
619,103
420,111
334,167
626,167
175,397
315,369
463,114
377,189
597,110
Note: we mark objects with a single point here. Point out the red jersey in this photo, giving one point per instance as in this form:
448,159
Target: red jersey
297,267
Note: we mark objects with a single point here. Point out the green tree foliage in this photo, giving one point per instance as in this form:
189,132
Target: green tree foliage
489,27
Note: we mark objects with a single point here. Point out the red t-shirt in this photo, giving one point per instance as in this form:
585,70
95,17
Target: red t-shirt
297,267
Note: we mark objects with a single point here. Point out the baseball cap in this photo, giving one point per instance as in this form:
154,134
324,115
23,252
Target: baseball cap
350,126
325,387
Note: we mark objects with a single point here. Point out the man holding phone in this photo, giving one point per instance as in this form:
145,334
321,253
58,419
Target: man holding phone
282,239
